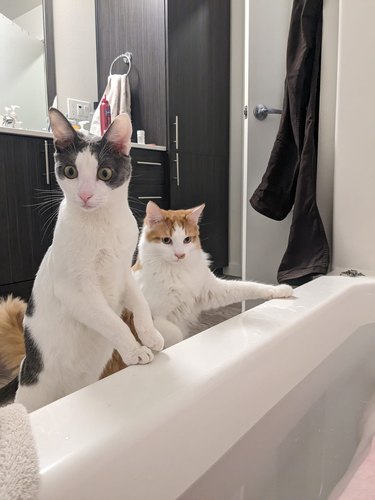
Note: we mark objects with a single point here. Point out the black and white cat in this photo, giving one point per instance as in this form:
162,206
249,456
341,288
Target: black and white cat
72,322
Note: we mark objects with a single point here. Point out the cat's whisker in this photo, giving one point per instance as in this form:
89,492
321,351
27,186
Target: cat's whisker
47,224
37,204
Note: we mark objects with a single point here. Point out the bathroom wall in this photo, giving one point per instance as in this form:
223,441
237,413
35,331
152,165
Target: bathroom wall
32,22
354,190
75,50
22,77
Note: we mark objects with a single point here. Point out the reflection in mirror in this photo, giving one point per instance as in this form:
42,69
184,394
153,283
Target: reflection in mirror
22,78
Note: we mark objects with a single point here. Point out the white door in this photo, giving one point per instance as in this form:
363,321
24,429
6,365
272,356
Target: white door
266,34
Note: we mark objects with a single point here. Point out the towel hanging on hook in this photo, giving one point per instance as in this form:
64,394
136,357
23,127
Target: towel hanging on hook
127,58
117,93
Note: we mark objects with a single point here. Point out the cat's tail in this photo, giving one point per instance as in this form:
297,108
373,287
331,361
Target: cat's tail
12,348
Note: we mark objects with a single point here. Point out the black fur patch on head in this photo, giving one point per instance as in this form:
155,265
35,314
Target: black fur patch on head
109,156
105,152
66,155
30,307
33,363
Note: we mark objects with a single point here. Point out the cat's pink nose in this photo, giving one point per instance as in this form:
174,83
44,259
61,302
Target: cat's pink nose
179,255
85,196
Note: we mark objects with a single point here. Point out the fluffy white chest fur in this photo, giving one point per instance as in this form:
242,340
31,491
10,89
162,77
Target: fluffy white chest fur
95,251
175,291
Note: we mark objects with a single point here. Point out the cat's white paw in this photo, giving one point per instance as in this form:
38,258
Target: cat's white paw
280,291
139,356
151,338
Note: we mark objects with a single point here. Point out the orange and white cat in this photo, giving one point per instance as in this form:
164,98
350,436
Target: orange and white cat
174,275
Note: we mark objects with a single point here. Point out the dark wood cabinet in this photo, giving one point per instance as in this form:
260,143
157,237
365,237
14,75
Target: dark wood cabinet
198,40
29,199
181,68
24,186
149,181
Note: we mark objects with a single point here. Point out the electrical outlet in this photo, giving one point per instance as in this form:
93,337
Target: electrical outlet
78,110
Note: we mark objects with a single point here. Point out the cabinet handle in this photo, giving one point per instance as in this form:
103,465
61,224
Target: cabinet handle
176,124
46,161
150,197
157,164
177,161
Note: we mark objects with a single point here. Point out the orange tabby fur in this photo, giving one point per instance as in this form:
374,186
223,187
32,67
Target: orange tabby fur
166,226
12,349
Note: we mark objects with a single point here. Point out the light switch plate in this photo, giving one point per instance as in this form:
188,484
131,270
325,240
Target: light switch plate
78,110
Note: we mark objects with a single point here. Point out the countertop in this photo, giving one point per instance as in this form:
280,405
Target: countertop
48,135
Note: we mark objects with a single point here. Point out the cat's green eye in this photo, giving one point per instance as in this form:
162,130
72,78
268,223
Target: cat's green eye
166,241
187,239
70,172
104,173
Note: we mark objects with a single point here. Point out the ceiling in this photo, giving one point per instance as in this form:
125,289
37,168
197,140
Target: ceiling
15,8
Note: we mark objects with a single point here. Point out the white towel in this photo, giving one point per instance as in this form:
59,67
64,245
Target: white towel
117,93
19,468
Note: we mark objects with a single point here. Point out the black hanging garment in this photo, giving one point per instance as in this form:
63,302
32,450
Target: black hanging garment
290,178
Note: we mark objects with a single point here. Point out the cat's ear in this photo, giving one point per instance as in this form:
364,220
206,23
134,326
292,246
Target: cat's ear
154,215
63,132
119,133
195,214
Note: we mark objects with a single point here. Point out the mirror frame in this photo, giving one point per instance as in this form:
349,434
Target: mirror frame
49,48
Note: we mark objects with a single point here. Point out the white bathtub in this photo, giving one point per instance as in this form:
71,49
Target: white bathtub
264,406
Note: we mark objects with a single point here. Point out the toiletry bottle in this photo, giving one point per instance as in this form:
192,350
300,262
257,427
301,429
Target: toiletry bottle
141,136
105,115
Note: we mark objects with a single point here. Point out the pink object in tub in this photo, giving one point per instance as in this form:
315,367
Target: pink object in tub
362,484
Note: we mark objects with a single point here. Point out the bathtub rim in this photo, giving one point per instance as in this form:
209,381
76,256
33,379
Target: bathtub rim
73,431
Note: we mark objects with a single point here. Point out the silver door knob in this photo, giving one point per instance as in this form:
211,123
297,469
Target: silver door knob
261,111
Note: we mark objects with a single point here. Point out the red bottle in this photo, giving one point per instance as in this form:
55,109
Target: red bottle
105,115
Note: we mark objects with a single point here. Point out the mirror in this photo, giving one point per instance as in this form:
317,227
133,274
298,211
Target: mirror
23,63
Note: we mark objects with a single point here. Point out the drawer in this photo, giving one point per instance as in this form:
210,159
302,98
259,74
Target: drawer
147,190
148,174
148,155
149,181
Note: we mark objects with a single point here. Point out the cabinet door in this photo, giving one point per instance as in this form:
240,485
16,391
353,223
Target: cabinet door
198,78
204,179
24,185
149,181
198,75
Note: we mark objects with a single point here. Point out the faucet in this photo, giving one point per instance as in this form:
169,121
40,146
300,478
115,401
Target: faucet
10,116
8,121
